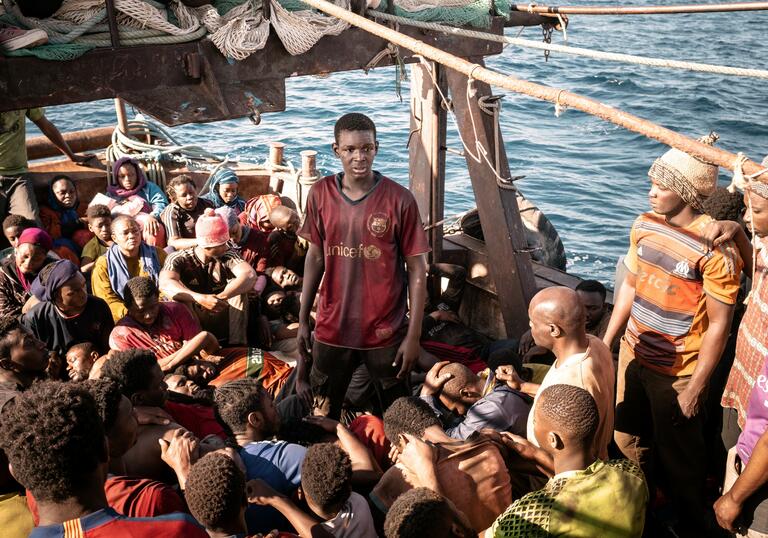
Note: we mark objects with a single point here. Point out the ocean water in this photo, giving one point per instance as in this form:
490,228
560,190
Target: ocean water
587,175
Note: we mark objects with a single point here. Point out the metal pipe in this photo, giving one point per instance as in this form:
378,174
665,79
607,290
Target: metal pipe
642,10
561,97
114,33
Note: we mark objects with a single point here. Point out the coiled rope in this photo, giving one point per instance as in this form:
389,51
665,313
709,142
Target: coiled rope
162,148
578,51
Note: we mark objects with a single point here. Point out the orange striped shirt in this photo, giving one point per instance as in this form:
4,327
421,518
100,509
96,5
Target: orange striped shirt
675,272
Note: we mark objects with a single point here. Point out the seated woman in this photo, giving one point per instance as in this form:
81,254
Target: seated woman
65,314
139,198
128,257
182,213
18,271
174,335
62,221
223,190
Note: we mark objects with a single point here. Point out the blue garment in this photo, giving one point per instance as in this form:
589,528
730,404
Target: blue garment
223,176
153,194
277,463
117,269
68,217
503,410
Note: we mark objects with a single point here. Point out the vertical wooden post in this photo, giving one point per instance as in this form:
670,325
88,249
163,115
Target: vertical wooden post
510,265
122,115
426,150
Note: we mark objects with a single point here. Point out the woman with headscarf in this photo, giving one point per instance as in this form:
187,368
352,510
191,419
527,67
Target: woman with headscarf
139,198
223,190
65,314
128,257
18,271
62,221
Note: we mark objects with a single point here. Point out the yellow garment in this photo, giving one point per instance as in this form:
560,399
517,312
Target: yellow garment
13,147
102,287
15,517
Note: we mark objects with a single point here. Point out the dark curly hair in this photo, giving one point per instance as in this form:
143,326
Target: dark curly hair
235,401
572,409
215,491
13,221
54,438
326,476
130,369
408,415
178,180
354,121
724,205
139,287
8,327
98,211
422,513
106,393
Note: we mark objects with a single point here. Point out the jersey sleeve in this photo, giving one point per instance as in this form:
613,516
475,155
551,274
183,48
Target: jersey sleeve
312,228
174,262
721,273
630,260
412,237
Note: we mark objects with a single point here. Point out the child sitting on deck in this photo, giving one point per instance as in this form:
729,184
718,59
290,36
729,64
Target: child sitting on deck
139,198
62,221
100,224
182,213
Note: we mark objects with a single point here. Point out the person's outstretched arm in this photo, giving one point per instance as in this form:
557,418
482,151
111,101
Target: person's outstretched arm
753,476
622,307
54,135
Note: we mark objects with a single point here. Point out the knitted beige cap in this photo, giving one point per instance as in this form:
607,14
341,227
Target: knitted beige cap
693,180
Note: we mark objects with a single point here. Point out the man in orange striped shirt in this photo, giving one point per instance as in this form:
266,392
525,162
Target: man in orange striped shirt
677,300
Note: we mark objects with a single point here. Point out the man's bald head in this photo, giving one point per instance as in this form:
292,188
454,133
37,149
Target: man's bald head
561,306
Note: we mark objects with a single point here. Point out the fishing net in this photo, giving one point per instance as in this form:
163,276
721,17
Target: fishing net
236,27
452,12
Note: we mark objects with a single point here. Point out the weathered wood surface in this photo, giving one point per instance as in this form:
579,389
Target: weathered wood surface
426,151
193,82
509,263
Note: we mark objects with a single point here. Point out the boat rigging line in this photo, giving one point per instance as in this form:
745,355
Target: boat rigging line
577,51
561,97
642,10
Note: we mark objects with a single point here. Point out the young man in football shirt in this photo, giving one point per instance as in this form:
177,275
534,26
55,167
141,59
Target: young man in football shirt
367,245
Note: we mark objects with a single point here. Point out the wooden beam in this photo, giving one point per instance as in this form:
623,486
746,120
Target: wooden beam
426,150
193,82
508,259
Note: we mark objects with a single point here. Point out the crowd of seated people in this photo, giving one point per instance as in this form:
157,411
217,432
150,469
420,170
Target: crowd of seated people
205,365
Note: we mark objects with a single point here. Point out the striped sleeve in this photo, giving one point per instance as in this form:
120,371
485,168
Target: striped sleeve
171,221
630,260
721,273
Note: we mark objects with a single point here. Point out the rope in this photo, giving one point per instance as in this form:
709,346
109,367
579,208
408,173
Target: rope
164,148
300,30
609,56
482,153
593,107
642,10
